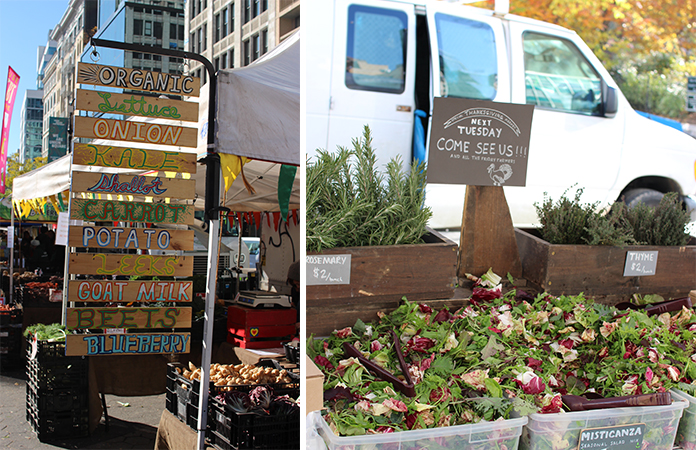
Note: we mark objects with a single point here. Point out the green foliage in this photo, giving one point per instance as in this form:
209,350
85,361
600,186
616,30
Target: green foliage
351,204
15,168
568,221
46,332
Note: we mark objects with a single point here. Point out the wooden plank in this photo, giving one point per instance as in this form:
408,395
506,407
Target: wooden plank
113,183
146,318
127,344
487,235
130,238
137,79
133,131
136,105
140,265
129,291
133,158
113,211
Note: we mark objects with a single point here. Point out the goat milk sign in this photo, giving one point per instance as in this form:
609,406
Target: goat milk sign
479,143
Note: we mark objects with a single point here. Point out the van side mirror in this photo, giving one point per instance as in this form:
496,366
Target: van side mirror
611,102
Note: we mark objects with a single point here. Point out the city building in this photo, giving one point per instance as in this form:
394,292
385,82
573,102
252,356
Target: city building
235,33
31,125
70,35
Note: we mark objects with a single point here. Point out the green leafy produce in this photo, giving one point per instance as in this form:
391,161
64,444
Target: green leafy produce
43,332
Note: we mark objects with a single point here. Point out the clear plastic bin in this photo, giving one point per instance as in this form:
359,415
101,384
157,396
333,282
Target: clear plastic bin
562,430
480,436
686,434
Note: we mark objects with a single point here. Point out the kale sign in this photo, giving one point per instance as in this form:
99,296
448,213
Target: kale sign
479,143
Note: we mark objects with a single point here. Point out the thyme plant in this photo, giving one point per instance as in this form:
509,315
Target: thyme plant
352,204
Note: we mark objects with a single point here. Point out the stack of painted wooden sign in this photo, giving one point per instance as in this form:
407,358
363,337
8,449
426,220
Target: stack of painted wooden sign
117,273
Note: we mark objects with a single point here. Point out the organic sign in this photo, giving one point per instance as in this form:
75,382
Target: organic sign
133,158
640,263
140,265
130,291
327,269
479,143
126,344
88,318
113,211
140,80
113,183
136,105
620,437
130,238
130,130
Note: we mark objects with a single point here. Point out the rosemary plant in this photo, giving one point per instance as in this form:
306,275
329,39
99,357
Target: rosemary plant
352,204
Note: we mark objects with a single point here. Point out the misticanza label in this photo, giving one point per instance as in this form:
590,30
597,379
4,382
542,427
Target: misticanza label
622,437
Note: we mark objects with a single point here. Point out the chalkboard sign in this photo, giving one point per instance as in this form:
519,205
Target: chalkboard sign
328,269
641,263
621,437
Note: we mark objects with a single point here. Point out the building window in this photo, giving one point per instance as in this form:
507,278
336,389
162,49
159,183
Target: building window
257,8
181,33
192,40
264,42
246,55
200,40
224,60
172,32
224,22
148,28
217,64
138,27
193,9
247,11
231,17
158,30
232,58
256,47
205,36
147,56
217,27
157,57
264,5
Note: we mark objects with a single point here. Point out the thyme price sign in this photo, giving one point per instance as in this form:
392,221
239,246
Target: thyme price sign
479,143
621,437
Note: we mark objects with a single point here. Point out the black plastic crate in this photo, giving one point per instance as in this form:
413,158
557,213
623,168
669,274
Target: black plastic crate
53,425
46,351
58,373
57,400
229,430
181,400
292,352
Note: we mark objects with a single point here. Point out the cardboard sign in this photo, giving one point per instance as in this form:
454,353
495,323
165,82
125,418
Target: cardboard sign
130,238
62,227
139,80
126,344
100,318
140,265
129,291
136,105
112,211
327,269
130,130
113,183
620,437
641,263
133,158
479,143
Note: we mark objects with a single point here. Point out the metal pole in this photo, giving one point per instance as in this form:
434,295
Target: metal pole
212,210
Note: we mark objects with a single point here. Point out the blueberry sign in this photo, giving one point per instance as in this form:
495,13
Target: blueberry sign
479,143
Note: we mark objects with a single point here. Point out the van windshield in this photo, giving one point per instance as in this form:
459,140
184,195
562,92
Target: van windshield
468,58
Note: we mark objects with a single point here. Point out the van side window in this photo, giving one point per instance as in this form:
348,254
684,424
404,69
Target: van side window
376,53
468,58
558,76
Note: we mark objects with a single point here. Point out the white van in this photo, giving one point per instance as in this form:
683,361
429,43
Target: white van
378,62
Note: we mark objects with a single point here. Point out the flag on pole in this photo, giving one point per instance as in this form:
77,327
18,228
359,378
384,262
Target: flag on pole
10,94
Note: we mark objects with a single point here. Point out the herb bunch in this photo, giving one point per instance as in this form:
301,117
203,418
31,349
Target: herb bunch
350,203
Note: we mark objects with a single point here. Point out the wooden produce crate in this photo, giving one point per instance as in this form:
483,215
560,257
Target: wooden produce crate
260,327
598,271
379,277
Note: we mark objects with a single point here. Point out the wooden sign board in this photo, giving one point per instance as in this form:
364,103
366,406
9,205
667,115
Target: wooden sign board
139,80
113,211
129,291
133,131
140,265
100,318
126,344
133,158
130,238
113,183
136,105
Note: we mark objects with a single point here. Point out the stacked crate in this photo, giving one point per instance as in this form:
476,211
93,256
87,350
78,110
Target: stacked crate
10,337
57,391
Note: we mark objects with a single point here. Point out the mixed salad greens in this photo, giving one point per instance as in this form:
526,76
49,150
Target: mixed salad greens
504,355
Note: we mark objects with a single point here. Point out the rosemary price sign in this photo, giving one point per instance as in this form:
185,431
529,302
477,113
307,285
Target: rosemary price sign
328,269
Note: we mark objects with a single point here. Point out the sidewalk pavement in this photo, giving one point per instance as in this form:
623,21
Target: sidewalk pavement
132,420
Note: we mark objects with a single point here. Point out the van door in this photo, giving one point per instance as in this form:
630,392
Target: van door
469,60
372,76
572,141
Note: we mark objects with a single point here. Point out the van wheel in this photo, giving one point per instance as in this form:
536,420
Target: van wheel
648,197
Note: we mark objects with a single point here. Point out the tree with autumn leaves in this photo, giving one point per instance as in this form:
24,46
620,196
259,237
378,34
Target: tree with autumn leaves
649,46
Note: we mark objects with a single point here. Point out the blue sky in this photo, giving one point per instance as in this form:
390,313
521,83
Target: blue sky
24,26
